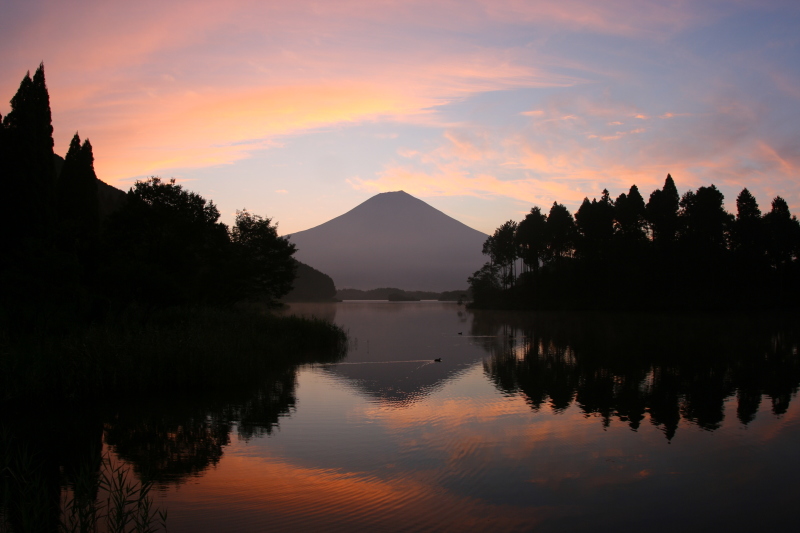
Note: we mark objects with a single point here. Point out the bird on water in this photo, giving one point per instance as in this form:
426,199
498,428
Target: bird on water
438,360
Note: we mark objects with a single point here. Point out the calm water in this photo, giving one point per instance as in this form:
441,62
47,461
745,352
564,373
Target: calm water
545,423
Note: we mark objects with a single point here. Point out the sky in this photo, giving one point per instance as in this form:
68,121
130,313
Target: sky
299,111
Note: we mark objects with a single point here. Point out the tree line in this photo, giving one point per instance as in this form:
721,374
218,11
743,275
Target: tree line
670,253
162,246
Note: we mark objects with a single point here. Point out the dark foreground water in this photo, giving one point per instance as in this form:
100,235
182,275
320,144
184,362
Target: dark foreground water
528,423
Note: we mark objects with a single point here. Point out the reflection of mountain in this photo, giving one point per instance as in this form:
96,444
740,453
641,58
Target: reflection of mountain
393,346
402,383
393,240
633,368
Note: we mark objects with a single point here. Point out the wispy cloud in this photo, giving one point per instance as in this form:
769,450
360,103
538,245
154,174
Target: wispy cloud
534,101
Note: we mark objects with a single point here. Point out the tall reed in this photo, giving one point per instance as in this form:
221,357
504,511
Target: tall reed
101,496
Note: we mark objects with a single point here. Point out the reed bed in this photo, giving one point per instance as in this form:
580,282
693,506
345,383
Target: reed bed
155,352
101,496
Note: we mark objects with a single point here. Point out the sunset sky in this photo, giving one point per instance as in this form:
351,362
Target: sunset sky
301,110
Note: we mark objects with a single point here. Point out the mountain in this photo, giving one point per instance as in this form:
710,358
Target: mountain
393,240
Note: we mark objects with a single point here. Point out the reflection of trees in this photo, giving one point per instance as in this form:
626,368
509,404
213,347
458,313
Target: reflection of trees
169,446
166,441
40,455
632,367
171,442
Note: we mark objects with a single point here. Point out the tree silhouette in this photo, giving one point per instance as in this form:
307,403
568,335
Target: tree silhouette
531,238
28,166
630,214
705,221
560,233
747,235
662,213
76,197
502,251
783,251
783,234
595,221
169,246
485,286
266,268
672,253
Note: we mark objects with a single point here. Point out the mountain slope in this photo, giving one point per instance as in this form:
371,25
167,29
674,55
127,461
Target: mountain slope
393,240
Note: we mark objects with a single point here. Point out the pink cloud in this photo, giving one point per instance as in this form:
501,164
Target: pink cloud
569,152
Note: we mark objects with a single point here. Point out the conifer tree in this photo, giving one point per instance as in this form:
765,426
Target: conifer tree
629,213
77,195
704,219
28,167
560,233
595,220
662,213
531,238
783,232
747,235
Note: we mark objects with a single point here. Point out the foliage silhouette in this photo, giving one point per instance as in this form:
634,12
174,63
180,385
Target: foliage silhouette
673,253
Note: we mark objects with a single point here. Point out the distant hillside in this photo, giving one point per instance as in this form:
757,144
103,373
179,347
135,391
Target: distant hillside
311,285
385,293
393,240
110,198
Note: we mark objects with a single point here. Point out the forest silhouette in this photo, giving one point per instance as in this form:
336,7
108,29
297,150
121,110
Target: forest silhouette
94,282
163,246
676,253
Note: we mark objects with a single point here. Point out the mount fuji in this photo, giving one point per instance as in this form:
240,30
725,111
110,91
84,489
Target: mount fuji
393,240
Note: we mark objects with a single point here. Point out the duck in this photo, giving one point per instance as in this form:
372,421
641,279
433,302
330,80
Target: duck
437,360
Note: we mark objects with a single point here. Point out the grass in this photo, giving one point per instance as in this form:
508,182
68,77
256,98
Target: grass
165,351
101,496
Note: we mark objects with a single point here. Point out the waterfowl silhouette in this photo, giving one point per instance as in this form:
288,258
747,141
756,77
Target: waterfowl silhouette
438,360
459,332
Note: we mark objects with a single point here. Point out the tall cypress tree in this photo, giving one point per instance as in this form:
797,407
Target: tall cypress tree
28,173
77,199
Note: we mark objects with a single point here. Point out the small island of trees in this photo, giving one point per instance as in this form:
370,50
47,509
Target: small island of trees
673,253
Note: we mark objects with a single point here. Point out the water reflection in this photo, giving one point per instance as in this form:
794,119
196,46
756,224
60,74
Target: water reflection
634,368
526,423
393,347
165,441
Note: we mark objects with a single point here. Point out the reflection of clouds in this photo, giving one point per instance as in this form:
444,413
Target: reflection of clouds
283,493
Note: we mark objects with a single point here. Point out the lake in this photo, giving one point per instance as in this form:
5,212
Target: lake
530,422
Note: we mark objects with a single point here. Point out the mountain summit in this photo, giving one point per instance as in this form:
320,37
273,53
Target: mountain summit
393,240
